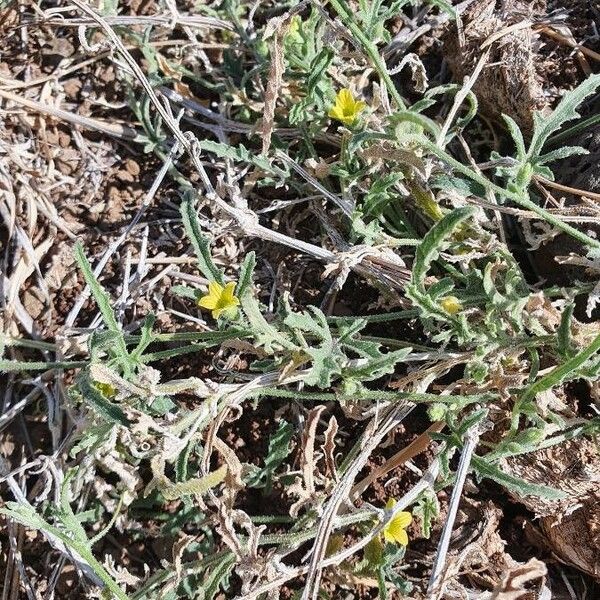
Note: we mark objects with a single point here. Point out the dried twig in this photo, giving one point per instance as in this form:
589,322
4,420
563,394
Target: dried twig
436,581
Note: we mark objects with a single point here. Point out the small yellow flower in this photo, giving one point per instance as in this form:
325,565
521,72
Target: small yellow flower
293,33
395,531
451,304
106,389
219,299
346,109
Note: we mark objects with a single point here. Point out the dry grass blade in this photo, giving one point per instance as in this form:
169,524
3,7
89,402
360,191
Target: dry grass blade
400,458
124,132
277,28
436,582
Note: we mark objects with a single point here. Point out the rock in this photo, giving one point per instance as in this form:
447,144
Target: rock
571,525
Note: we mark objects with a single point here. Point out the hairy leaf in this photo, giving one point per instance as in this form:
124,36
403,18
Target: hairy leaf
200,243
432,243
545,126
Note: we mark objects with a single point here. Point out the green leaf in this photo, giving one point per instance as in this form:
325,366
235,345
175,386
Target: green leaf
374,368
327,358
521,487
109,8
373,552
92,438
432,243
81,553
441,288
517,195
279,450
523,442
66,515
325,364
318,69
561,153
559,374
564,344
317,86
99,404
246,276
15,366
185,291
240,154
443,6
104,304
146,338
451,183
217,577
161,405
516,135
265,334
197,486
417,122
200,242
427,509
471,420
545,126
315,323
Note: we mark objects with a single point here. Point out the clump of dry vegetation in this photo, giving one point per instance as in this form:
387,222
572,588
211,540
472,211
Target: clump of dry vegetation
299,299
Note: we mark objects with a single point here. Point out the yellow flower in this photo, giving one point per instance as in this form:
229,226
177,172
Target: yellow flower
219,299
346,109
395,531
293,33
106,389
451,304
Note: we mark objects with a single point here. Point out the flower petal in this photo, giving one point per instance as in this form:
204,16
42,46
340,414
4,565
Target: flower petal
396,532
345,98
335,112
388,537
215,288
403,519
228,298
208,301
346,108
390,504
401,537
359,106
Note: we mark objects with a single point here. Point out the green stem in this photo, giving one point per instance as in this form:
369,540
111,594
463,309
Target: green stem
194,336
295,538
418,398
555,377
27,343
82,548
393,343
370,49
172,352
520,200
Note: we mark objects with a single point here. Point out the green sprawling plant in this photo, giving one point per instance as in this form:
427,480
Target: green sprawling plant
404,214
